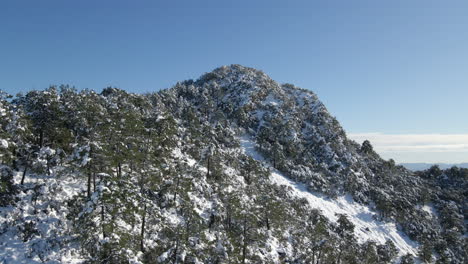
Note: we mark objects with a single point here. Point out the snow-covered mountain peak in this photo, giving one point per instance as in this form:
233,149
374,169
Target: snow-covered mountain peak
241,80
231,168
236,73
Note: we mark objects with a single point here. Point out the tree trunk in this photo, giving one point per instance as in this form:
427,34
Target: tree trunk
14,161
25,169
48,165
187,227
94,181
267,220
176,248
142,245
319,256
176,188
24,174
244,241
102,222
89,183
208,168
41,138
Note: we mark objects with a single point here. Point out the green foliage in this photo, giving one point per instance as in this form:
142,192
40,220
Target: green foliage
108,222
387,252
7,189
425,252
407,259
367,147
28,230
167,183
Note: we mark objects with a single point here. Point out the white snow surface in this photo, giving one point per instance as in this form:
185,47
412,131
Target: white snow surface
46,206
429,208
3,144
367,227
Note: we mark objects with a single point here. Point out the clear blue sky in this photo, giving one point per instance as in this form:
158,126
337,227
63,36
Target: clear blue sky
379,66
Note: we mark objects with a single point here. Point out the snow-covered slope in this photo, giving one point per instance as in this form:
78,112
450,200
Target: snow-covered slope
367,226
231,168
37,230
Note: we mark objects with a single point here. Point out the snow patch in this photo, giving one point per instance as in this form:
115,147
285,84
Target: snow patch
367,227
3,144
42,206
271,100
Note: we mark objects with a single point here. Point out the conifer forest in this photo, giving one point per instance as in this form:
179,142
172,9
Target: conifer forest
230,168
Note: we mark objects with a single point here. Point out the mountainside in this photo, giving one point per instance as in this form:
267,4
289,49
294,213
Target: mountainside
230,168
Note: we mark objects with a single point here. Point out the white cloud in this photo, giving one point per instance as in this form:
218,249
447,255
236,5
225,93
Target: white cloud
448,148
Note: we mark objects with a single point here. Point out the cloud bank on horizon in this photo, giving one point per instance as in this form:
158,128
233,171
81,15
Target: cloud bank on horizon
413,148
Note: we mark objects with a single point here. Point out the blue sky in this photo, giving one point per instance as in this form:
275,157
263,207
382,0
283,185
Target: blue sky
387,67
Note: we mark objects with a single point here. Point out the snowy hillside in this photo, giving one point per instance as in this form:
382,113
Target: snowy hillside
367,227
36,228
230,168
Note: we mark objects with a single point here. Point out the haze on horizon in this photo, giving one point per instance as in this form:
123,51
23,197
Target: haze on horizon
418,148
391,72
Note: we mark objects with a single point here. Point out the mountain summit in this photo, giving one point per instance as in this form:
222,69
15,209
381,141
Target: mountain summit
231,168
